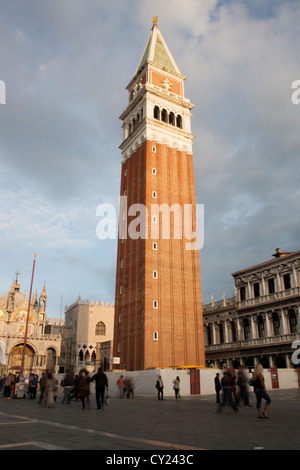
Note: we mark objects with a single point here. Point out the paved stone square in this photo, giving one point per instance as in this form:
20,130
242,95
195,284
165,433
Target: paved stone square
144,423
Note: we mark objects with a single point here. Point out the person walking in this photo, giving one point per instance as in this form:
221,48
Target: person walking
68,384
120,383
160,388
8,386
176,387
33,380
51,387
42,383
260,391
84,389
242,382
101,382
226,384
130,388
218,387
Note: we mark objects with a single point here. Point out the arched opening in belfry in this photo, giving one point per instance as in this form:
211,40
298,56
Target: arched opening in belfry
156,113
164,115
172,119
179,121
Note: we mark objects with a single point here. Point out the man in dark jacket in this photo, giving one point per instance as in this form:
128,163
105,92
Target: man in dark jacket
218,387
101,382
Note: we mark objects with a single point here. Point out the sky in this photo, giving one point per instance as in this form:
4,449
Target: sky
66,64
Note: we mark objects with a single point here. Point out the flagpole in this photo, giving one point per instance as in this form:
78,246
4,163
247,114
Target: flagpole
27,319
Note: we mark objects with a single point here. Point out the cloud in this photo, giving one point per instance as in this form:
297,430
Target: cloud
28,219
66,66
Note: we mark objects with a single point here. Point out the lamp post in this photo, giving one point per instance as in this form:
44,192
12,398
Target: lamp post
27,319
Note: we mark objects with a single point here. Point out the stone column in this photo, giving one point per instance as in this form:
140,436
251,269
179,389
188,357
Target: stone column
239,329
298,319
213,333
267,323
253,328
98,357
284,322
226,331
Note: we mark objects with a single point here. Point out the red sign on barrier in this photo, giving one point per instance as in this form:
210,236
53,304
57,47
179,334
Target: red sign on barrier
274,377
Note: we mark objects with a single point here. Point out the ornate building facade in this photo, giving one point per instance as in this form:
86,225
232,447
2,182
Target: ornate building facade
42,350
87,336
262,319
158,317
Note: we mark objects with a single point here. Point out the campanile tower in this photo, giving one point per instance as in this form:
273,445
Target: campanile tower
158,305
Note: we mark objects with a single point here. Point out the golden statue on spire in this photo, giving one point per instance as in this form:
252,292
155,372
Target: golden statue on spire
154,18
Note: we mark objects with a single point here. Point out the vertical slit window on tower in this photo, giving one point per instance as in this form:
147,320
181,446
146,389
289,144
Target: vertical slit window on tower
153,149
153,171
155,275
154,194
155,336
154,246
155,304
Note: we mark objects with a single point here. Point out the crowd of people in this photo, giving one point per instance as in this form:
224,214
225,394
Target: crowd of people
9,385
46,388
233,389
125,387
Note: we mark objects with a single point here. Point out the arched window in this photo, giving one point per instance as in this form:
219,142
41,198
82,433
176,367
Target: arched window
221,333
292,321
233,331
156,113
51,359
164,115
261,327
246,327
208,335
276,324
172,119
179,121
100,329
